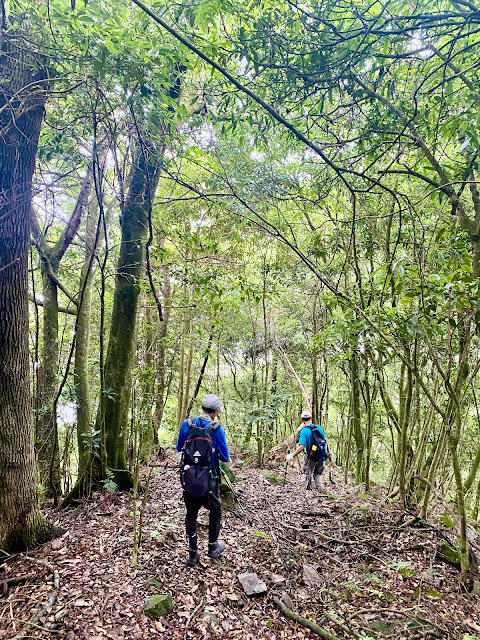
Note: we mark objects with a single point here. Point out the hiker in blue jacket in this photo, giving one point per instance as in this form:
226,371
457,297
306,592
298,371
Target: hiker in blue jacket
211,407
310,467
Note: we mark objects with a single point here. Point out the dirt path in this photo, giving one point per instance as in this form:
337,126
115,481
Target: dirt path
372,578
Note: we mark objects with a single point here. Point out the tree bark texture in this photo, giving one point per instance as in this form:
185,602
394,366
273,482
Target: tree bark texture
46,423
82,345
115,396
22,100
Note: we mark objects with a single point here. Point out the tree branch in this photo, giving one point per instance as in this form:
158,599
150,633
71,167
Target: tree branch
303,621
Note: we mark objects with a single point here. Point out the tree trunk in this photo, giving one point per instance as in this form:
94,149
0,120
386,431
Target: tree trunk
202,371
46,425
162,335
81,374
22,100
369,406
188,372
404,418
48,458
145,421
356,417
115,396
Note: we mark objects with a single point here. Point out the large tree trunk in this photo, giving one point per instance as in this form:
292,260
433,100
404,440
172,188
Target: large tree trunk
22,100
114,402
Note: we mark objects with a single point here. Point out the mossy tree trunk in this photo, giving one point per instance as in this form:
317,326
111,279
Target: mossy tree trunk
22,101
93,242
115,396
46,431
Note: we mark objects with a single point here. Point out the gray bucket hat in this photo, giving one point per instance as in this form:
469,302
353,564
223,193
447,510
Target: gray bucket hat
211,402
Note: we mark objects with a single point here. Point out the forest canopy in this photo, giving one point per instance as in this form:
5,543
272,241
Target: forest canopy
276,202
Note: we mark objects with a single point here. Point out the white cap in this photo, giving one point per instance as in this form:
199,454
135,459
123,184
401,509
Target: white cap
211,402
306,414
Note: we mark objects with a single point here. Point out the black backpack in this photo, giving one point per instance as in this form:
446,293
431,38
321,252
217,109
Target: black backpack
319,450
199,465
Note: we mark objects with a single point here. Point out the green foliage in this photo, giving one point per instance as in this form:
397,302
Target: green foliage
261,534
109,481
403,567
301,262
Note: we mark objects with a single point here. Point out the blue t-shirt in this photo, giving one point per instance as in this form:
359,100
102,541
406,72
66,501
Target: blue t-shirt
219,439
306,436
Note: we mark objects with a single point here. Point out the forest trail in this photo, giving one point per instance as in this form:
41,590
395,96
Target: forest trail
374,579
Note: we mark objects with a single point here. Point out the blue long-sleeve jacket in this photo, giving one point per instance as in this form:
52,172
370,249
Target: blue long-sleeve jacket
219,439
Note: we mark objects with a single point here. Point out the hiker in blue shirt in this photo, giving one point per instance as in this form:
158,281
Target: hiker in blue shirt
191,432
310,467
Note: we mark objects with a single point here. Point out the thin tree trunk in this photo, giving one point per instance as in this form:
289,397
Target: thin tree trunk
348,441
162,335
369,400
476,505
82,348
188,371
145,425
202,371
46,423
356,417
404,418
439,451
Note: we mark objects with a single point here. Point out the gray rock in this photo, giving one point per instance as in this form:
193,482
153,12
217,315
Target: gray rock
251,584
310,575
287,601
158,606
60,615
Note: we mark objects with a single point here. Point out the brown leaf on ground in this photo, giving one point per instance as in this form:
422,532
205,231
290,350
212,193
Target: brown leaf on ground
366,569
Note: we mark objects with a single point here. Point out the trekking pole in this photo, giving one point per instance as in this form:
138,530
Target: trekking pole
285,474
235,495
229,484
330,471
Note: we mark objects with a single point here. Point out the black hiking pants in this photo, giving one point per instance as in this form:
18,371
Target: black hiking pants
213,503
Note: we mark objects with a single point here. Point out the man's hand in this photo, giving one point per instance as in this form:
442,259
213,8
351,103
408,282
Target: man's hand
289,457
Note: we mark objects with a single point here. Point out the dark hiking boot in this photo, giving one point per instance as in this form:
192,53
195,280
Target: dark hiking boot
215,549
193,558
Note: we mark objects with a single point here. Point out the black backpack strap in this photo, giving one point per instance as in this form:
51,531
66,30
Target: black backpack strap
191,423
214,426
312,428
